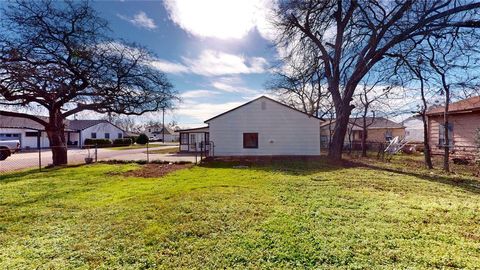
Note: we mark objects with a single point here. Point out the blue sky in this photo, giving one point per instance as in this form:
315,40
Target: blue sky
217,53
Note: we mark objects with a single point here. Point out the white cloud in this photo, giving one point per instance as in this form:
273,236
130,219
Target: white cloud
204,111
198,94
214,63
140,19
222,19
233,85
168,67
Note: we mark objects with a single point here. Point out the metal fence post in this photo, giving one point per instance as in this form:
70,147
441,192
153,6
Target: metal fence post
148,155
96,153
39,153
196,153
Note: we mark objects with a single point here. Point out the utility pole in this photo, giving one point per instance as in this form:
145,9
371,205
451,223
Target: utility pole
163,125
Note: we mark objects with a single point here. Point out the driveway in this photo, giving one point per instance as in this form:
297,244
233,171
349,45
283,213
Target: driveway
27,160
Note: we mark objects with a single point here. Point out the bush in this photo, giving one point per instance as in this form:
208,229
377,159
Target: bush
98,142
122,142
142,139
132,138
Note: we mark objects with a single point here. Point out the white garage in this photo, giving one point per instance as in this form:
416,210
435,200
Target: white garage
32,135
264,127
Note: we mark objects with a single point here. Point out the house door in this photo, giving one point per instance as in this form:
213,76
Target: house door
193,142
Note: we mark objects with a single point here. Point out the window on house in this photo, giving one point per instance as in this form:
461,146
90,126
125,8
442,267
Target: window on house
184,138
107,135
441,135
31,134
207,138
93,135
120,135
250,140
149,130
388,135
192,138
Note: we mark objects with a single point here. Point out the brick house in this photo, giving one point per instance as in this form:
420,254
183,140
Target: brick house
464,121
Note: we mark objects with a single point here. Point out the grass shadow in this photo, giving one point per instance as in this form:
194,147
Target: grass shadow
291,166
466,184
18,175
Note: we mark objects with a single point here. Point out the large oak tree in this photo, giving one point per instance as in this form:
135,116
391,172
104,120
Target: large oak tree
350,37
59,55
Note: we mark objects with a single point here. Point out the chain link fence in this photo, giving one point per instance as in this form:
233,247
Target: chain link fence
40,158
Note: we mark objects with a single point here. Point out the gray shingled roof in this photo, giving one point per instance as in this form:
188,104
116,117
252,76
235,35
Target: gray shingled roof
70,125
20,122
83,124
377,122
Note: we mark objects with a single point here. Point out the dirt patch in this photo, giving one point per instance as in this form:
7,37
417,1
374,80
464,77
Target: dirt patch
156,170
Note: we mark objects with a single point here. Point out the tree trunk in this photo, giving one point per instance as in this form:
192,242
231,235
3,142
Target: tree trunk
446,157
426,144
364,136
55,132
338,138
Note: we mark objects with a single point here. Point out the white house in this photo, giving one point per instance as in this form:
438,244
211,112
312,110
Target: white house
32,135
262,127
414,129
158,132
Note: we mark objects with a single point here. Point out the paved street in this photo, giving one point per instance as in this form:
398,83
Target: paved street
21,161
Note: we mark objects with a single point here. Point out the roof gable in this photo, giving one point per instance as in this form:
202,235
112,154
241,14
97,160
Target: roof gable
267,98
469,104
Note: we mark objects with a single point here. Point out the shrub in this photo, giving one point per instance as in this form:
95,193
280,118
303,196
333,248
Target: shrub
122,142
98,142
132,138
142,139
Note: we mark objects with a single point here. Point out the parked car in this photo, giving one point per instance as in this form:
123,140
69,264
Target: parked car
7,148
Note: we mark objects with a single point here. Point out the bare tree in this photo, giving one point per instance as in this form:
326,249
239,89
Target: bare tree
450,55
416,67
352,37
372,95
58,55
302,90
125,122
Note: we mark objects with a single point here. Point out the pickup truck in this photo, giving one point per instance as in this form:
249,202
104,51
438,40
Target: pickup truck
7,148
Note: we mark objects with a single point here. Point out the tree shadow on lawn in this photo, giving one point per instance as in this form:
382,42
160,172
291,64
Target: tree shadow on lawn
19,175
466,184
289,166
310,166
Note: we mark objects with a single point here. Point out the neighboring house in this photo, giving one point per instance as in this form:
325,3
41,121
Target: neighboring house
414,129
379,130
464,121
156,133
194,139
32,135
263,127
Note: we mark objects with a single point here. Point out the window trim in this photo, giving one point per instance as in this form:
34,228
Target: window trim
31,134
182,141
249,134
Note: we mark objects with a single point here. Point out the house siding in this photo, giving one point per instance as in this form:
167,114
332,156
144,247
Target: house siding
100,129
414,130
26,142
464,128
281,131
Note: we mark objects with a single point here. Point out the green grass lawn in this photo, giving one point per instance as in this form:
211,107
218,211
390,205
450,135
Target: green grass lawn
278,216
166,150
143,146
